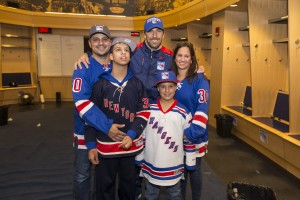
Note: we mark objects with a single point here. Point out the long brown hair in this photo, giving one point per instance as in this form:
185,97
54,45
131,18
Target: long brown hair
192,71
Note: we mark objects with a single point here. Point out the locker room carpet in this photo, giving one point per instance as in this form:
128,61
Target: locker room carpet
37,161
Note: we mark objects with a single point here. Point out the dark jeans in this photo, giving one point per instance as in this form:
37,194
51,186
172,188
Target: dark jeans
107,172
195,180
82,174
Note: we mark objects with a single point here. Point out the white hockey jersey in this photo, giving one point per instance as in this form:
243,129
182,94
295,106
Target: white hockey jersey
164,150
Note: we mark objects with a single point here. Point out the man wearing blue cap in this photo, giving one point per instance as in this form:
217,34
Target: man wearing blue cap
149,58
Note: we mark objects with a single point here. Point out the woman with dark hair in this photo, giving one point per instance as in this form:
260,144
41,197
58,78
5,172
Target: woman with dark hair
192,92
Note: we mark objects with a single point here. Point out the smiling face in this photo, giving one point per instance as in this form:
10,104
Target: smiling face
100,44
183,58
166,91
154,38
120,54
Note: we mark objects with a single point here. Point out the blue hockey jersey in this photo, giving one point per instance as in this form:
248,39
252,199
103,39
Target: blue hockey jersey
85,110
195,97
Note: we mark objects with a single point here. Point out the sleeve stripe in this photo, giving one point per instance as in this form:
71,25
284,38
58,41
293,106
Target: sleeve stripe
199,113
200,119
199,124
145,114
83,106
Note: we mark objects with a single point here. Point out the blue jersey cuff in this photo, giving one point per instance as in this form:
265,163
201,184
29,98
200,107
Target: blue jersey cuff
110,123
91,145
132,134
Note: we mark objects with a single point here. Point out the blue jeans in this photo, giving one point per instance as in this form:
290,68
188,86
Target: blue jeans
195,180
152,191
82,174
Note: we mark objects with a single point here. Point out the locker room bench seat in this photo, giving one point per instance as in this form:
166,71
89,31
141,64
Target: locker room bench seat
281,147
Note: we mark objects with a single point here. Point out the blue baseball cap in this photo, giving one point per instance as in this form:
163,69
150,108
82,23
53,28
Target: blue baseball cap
153,22
168,76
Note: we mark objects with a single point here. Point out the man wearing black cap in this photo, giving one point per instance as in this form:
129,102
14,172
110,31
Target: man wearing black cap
87,112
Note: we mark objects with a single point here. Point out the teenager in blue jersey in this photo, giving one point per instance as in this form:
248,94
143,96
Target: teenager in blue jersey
193,92
149,57
123,98
87,112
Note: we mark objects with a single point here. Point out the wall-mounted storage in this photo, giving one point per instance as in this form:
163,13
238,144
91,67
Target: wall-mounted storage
206,43
273,49
179,39
284,21
201,37
17,62
246,30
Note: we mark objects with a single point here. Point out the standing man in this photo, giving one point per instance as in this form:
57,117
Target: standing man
87,112
150,58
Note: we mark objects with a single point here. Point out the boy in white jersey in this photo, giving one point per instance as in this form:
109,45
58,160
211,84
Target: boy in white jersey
162,164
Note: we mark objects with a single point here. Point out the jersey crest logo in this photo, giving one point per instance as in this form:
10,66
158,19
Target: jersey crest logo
179,85
161,65
106,68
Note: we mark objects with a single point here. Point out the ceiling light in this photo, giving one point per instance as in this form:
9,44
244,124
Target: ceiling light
233,5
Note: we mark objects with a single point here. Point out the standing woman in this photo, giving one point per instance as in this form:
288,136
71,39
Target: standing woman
192,92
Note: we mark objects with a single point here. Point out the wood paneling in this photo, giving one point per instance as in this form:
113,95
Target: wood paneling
294,54
268,73
203,56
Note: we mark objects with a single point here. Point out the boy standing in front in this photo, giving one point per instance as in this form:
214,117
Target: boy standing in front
162,164
123,98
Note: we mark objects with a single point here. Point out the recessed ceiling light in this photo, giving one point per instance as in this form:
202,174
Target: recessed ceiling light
233,5
198,19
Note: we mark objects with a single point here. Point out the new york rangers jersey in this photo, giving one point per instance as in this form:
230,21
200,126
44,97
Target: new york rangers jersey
164,152
195,96
85,110
125,102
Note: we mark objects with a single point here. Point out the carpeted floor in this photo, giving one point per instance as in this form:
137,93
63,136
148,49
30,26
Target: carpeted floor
36,162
